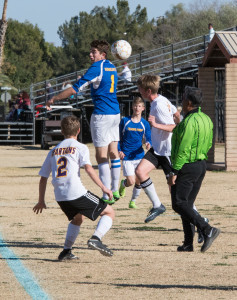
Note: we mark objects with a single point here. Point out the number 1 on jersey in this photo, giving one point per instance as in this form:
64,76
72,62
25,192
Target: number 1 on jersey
112,84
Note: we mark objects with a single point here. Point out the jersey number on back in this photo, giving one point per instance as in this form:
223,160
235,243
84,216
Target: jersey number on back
62,163
112,84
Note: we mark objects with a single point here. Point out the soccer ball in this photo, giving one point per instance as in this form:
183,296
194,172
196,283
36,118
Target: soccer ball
121,49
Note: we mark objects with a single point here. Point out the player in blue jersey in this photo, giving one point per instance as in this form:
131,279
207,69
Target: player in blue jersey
102,78
133,130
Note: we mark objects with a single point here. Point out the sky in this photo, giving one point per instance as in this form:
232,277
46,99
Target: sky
48,15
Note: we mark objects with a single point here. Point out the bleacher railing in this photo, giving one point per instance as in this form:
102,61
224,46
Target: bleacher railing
169,62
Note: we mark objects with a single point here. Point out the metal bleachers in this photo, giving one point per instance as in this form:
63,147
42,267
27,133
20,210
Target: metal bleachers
177,65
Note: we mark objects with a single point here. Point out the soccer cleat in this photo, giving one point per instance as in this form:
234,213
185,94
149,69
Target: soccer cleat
209,238
97,245
108,201
122,189
116,195
132,204
185,248
155,212
66,254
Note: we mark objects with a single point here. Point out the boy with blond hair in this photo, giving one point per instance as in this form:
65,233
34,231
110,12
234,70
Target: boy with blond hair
162,113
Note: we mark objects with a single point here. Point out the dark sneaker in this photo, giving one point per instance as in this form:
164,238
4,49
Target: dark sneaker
209,239
66,254
97,245
155,212
108,201
185,248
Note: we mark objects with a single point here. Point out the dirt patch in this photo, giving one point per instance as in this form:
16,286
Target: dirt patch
145,264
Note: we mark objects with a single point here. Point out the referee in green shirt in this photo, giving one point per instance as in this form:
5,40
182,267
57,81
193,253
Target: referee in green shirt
191,141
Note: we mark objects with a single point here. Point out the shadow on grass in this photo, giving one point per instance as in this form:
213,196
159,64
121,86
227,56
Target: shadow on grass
166,286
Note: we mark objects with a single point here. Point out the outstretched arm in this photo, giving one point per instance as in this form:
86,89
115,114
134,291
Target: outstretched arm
38,208
63,95
91,172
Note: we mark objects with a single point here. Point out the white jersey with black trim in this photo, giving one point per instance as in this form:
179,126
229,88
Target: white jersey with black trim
163,111
64,161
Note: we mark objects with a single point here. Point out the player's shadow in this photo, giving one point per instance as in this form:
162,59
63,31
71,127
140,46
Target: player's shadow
33,245
166,286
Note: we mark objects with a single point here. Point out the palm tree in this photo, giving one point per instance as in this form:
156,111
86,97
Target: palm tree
3,29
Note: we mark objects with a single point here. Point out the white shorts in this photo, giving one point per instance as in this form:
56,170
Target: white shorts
104,129
129,167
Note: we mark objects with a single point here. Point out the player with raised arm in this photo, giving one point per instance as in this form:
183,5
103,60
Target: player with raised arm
65,161
163,112
133,131
102,78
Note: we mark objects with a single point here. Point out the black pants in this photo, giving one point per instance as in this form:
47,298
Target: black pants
183,195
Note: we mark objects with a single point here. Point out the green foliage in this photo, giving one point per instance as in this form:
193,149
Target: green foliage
102,23
24,51
28,58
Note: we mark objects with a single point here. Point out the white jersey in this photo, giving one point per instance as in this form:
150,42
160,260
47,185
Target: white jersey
127,74
64,161
163,111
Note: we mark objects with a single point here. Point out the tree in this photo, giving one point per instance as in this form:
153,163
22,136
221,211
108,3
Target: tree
3,28
25,53
103,23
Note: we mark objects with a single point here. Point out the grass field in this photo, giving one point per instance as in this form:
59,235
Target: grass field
145,264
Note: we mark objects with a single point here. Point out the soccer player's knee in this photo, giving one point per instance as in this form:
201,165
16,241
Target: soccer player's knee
130,181
109,211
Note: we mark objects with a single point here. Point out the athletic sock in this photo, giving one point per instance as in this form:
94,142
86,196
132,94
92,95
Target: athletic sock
115,174
105,176
72,233
136,192
103,226
149,189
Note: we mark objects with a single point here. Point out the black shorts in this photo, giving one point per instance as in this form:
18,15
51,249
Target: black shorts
159,161
88,205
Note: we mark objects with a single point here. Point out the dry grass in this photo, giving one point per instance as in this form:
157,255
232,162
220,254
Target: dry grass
145,264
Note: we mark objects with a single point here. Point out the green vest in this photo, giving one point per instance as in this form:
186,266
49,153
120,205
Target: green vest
191,139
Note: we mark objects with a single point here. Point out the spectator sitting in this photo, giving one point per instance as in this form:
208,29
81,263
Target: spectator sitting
66,85
126,74
50,91
26,101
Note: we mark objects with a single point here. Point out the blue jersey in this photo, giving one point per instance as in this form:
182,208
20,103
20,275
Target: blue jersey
102,77
131,136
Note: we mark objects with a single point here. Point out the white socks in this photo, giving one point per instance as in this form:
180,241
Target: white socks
115,173
105,176
72,233
103,226
136,192
149,189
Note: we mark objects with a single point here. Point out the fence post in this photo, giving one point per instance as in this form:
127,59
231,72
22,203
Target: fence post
172,51
33,111
204,44
140,62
